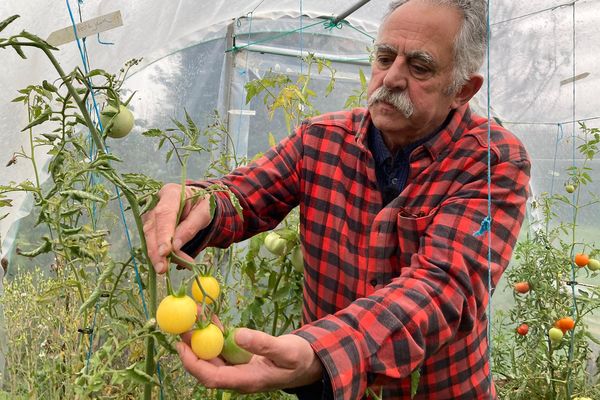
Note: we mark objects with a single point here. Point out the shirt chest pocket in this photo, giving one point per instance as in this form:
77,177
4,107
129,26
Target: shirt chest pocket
411,227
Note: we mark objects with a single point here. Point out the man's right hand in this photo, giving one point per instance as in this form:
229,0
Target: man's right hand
163,233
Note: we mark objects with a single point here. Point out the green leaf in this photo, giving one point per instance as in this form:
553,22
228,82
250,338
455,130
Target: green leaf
49,87
415,377
39,120
19,99
363,79
133,374
162,340
43,248
153,133
7,21
108,270
37,39
82,195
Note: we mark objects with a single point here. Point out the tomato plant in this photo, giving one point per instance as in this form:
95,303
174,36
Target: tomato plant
549,362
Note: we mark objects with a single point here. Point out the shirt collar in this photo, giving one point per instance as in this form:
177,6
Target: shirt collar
380,151
456,123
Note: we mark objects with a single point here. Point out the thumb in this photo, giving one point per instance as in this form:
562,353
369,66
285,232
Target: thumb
262,344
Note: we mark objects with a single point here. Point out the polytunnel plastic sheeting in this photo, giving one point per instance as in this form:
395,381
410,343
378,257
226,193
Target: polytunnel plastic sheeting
536,46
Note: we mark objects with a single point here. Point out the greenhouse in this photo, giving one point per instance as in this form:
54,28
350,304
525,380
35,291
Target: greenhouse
307,272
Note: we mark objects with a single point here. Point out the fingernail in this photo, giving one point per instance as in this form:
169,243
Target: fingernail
242,337
180,347
160,267
177,244
162,250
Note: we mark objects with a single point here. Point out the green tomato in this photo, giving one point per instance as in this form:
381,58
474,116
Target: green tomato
275,243
122,121
555,335
176,315
297,259
232,353
570,188
593,264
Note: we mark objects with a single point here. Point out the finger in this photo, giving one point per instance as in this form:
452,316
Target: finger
271,347
159,263
186,337
193,220
206,371
165,219
184,256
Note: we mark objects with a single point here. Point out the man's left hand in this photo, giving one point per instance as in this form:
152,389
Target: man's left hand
278,363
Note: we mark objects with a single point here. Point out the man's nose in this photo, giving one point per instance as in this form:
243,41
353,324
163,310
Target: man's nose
396,77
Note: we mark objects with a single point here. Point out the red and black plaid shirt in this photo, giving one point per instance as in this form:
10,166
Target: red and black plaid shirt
396,288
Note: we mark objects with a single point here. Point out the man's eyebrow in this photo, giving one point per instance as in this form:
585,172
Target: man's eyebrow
385,47
422,56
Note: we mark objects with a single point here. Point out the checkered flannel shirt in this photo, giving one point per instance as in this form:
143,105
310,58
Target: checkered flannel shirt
397,288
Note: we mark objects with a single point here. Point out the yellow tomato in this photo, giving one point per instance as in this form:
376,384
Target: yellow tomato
211,288
176,315
207,342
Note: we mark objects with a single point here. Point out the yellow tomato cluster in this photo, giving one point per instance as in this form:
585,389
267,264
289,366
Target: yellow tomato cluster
178,314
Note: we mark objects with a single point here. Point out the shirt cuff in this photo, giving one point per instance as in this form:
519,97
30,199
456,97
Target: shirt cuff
319,390
198,242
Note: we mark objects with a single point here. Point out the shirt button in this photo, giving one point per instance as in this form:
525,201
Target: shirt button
373,282
395,181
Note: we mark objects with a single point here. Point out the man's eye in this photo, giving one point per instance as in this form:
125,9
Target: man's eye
420,70
384,59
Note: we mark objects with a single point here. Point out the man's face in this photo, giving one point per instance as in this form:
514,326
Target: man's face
414,60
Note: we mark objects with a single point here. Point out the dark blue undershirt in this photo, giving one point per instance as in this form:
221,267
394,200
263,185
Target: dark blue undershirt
391,169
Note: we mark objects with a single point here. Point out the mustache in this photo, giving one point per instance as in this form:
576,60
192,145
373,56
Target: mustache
398,99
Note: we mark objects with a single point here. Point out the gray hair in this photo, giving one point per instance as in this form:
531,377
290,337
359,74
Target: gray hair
471,40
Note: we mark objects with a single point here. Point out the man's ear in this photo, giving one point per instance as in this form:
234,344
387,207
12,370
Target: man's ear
467,91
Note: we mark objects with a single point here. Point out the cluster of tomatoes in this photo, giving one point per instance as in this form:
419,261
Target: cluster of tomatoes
565,324
279,246
177,314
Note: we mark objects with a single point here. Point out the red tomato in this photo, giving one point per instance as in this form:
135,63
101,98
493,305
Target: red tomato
581,260
522,287
523,329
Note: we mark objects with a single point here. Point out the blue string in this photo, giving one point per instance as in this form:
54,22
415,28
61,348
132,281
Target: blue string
85,62
574,309
485,226
486,223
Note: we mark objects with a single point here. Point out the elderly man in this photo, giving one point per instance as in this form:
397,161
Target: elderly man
390,198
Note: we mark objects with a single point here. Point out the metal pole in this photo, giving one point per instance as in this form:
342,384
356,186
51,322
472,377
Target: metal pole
349,11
